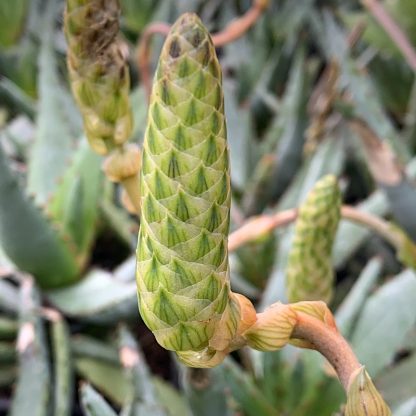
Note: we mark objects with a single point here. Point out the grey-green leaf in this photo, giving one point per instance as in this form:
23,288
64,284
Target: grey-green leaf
93,403
387,317
29,239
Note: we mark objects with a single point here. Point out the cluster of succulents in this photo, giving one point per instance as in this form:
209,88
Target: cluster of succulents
275,175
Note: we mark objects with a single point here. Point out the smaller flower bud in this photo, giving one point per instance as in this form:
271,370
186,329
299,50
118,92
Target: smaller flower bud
363,399
309,273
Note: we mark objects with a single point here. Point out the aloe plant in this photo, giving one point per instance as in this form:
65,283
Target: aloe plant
294,90
182,268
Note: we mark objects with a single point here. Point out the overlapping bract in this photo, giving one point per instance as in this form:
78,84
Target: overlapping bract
363,398
309,273
183,271
98,70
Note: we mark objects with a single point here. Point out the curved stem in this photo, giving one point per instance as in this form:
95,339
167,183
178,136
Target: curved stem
258,226
263,224
330,343
377,224
233,31
238,27
393,30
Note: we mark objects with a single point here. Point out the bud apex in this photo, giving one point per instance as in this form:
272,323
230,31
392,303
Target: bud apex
363,398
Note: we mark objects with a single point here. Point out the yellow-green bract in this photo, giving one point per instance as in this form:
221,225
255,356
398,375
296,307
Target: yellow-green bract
182,269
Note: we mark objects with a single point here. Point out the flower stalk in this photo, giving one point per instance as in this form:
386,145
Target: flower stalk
261,225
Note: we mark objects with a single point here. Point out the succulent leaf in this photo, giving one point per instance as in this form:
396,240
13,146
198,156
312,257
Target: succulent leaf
183,271
93,403
12,18
33,387
75,203
98,70
53,146
33,242
309,273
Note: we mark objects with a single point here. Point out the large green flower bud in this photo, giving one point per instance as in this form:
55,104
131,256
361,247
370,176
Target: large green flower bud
309,273
98,71
182,270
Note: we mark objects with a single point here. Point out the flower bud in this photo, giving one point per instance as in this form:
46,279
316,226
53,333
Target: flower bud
363,399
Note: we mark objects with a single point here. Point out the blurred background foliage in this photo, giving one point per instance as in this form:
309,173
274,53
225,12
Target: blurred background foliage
71,339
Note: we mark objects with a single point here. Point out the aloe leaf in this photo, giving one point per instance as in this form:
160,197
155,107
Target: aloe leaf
351,306
106,377
13,94
75,201
7,352
12,17
9,297
143,399
97,298
360,86
137,13
240,133
255,262
244,391
399,383
375,340
19,65
171,398
407,408
204,390
93,403
54,139
84,346
287,134
32,393
29,239
350,236
8,328
117,220
8,374
310,384
63,372
402,201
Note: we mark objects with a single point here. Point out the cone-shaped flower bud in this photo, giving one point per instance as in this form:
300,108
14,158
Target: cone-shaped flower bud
363,399
98,71
309,273
182,268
